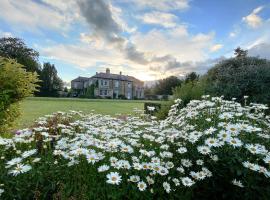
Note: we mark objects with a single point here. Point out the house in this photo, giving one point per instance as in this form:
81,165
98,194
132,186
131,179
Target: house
107,85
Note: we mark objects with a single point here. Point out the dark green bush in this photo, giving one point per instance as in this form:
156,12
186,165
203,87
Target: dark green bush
15,85
237,77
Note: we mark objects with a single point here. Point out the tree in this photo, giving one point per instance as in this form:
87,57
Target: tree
51,84
236,77
165,86
15,85
16,49
240,53
191,77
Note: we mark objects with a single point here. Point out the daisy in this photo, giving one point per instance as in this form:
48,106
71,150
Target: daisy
142,186
237,183
103,168
29,153
186,181
1,191
150,181
212,142
182,150
20,169
14,161
224,135
204,150
199,162
166,187
186,162
235,142
114,178
176,181
134,179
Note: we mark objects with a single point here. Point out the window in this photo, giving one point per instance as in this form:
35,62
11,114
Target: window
101,82
105,92
129,85
116,84
105,82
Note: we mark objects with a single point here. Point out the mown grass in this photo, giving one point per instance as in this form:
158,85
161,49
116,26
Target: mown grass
35,107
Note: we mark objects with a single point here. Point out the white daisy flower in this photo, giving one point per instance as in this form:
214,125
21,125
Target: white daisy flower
186,181
237,183
114,178
141,185
166,187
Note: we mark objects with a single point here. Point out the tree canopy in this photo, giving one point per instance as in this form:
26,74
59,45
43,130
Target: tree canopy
235,77
15,48
165,86
51,84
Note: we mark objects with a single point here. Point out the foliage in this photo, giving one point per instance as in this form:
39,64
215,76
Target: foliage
240,53
237,77
190,90
165,86
191,77
15,85
16,48
210,149
51,84
90,91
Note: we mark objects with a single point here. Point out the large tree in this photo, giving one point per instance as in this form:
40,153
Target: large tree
165,86
236,77
16,48
51,84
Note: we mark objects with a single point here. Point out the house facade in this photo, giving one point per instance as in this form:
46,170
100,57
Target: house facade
107,85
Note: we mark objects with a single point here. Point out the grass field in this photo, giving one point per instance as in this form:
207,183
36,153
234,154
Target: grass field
35,107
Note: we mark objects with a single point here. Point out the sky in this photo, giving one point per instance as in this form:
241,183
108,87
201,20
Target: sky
148,39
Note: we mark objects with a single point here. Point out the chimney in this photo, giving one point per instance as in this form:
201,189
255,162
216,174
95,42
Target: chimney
120,73
107,71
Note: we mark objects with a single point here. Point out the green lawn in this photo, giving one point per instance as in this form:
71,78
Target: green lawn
35,107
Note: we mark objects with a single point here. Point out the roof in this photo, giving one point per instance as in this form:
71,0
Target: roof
116,77
80,78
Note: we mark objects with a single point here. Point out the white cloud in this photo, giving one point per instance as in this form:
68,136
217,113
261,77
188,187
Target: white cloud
176,42
216,47
30,15
164,5
159,18
5,34
262,50
253,20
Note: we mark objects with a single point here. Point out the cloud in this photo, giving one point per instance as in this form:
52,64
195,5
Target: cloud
30,15
253,20
262,50
166,20
176,43
5,34
164,5
216,47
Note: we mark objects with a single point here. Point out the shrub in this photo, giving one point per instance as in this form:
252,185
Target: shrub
190,90
237,77
210,149
15,85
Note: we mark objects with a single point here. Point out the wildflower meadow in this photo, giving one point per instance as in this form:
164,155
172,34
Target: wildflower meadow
209,149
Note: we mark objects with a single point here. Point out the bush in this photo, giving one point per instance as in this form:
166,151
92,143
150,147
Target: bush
237,77
15,85
210,149
190,90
